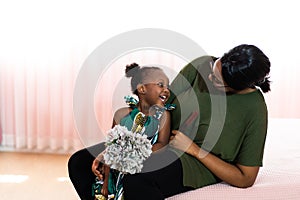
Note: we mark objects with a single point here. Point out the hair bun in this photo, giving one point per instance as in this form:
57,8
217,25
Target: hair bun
264,84
131,69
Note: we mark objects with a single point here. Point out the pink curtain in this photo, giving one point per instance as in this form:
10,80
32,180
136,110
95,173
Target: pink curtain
283,100
36,104
36,98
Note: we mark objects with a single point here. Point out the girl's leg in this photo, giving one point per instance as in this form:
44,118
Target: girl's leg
80,170
159,184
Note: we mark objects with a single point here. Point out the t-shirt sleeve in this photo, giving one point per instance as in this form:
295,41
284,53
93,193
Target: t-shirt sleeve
182,81
188,75
252,148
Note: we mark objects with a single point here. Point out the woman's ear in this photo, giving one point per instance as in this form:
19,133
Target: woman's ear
141,89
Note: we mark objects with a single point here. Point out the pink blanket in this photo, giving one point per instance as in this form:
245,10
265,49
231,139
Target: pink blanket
279,178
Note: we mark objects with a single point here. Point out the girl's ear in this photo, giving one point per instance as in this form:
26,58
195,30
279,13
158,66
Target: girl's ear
141,89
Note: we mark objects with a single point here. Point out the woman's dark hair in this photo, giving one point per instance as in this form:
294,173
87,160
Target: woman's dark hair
138,74
246,66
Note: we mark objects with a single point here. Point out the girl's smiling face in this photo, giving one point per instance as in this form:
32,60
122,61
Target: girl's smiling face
156,88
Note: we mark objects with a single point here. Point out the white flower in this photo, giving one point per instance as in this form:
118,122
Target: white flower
126,151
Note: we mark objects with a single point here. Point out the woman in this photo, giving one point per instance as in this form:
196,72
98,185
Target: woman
223,141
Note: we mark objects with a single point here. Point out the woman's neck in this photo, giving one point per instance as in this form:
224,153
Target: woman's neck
246,91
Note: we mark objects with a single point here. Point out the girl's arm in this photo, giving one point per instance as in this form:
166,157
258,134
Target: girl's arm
104,174
119,114
104,189
233,174
164,132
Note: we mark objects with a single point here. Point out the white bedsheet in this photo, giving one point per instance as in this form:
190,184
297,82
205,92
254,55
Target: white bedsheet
279,178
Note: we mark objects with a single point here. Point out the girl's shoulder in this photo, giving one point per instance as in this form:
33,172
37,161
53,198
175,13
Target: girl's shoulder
121,113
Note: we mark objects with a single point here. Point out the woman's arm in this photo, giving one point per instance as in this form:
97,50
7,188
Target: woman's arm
164,132
233,174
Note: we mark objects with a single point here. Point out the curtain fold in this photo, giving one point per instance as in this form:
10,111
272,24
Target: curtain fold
36,98
36,105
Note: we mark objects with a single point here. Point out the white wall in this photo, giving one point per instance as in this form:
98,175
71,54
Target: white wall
48,31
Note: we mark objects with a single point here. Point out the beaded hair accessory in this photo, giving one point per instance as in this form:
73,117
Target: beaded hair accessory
132,102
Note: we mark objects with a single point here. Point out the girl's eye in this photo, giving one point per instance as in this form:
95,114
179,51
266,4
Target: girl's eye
160,84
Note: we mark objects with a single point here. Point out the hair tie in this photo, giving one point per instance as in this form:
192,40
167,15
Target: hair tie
261,81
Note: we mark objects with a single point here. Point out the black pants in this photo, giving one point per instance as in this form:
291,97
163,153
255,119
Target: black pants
80,170
161,176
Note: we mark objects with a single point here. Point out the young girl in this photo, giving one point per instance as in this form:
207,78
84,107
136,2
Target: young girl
150,84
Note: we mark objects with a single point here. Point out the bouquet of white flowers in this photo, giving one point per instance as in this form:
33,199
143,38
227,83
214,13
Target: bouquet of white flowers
126,151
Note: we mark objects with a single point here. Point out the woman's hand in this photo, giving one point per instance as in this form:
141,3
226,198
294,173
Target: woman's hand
234,174
180,141
95,166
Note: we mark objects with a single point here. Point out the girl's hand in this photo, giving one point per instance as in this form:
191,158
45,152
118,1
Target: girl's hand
104,190
180,141
97,170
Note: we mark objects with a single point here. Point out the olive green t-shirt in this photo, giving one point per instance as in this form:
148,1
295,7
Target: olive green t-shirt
230,126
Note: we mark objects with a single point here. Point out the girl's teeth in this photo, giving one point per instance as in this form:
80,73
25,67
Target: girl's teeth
163,98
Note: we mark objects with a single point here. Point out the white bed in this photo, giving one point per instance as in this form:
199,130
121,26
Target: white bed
279,178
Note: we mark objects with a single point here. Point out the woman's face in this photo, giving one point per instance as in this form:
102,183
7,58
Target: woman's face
216,76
